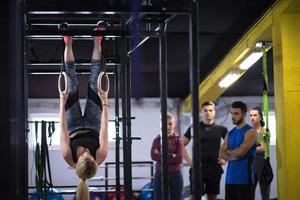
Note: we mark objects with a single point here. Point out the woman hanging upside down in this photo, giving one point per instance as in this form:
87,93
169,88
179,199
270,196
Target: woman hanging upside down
84,139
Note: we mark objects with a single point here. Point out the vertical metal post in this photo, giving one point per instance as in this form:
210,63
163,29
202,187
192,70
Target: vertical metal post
5,101
163,111
13,102
117,125
128,158
126,115
123,96
134,5
194,84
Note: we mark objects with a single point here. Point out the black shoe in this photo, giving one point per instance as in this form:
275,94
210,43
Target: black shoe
63,26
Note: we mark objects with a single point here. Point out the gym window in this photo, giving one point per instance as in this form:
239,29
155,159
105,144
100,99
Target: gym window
54,140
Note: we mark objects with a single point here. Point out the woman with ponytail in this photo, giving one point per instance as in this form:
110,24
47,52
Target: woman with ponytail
84,138
257,121
85,168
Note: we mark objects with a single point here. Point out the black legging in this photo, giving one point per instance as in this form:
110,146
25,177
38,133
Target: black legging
175,183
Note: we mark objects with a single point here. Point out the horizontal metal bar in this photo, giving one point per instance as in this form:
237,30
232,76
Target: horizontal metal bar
132,138
69,192
76,64
54,71
56,24
59,33
57,73
55,64
134,163
72,186
100,10
38,33
121,178
111,61
32,122
59,37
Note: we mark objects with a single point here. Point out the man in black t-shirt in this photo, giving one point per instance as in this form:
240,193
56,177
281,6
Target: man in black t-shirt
211,135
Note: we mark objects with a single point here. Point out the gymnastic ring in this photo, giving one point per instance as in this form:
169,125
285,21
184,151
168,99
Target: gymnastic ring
99,82
59,83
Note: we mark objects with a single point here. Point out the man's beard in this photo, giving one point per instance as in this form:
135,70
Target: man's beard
238,122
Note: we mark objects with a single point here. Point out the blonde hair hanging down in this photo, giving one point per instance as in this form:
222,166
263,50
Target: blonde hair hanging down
86,168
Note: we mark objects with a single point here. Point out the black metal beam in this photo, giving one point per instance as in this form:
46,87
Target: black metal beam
48,33
5,100
55,67
71,8
194,84
123,97
117,125
126,120
50,21
163,111
14,169
128,158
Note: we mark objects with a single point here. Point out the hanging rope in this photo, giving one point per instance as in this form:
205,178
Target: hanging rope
43,177
38,175
51,130
43,157
267,172
47,183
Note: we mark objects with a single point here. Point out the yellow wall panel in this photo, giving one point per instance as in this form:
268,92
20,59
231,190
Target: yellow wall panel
286,51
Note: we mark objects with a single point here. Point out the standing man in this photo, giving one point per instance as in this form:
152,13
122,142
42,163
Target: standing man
211,135
239,149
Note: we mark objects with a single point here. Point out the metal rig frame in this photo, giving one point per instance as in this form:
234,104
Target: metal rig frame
126,21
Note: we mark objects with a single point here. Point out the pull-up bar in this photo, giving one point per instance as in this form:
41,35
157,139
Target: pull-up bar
52,33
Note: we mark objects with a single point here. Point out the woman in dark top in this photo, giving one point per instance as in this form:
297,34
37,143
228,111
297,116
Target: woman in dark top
84,139
175,156
257,122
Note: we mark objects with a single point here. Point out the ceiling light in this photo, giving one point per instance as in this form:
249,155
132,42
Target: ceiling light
46,12
229,79
250,60
83,12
